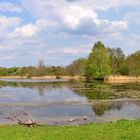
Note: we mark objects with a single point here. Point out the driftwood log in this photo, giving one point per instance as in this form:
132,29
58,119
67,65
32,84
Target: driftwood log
29,123
22,118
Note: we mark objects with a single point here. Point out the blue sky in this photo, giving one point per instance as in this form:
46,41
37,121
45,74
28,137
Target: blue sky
59,31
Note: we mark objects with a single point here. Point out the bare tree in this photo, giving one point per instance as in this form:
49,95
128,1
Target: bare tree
41,63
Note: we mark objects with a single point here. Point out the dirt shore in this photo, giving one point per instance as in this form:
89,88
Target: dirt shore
42,77
110,79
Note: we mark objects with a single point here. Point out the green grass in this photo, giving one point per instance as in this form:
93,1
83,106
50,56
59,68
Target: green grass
121,130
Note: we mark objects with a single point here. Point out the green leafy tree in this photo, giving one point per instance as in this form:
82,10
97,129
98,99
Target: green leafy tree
117,61
98,64
77,67
133,63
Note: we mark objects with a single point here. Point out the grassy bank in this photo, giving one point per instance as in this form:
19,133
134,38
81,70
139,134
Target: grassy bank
122,130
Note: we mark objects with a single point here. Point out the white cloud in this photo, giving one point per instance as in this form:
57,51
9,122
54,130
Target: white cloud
26,30
46,8
90,28
78,16
43,23
18,38
10,7
7,58
76,50
57,24
73,50
30,30
112,26
133,17
9,22
73,14
119,24
106,4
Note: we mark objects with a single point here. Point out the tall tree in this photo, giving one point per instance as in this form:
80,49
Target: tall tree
133,63
41,63
117,60
98,64
41,68
77,67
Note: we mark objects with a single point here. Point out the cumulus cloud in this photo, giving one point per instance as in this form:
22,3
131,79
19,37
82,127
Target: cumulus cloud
79,20
17,37
54,5
73,14
78,16
9,22
10,7
73,50
106,4
133,17
93,28
51,28
26,30
31,29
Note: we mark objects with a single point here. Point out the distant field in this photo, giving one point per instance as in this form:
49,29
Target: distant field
122,130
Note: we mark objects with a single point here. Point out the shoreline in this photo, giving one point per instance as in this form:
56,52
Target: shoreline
110,79
47,77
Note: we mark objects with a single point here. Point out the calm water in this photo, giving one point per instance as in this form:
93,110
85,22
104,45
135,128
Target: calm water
56,102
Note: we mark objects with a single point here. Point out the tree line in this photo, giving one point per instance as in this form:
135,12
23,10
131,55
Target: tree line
101,62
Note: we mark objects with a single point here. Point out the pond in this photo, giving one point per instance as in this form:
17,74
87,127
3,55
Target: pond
58,101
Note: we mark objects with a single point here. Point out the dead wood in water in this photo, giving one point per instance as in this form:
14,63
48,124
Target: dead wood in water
22,118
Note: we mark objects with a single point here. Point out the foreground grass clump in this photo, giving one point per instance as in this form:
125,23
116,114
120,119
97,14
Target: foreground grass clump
122,130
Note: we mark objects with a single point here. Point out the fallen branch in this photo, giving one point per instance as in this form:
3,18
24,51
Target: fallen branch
22,118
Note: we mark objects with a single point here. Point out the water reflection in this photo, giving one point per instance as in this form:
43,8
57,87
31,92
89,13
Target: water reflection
59,101
101,107
91,91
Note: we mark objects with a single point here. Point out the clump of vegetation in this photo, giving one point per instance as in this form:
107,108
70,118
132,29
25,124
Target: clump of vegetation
77,67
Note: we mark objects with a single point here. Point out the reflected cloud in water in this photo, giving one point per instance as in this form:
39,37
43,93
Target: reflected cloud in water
58,101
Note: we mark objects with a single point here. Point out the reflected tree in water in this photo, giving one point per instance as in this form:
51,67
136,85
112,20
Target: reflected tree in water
100,108
94,90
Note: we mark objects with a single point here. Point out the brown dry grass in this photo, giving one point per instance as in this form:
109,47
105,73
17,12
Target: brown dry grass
48,77
123,79
111,79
